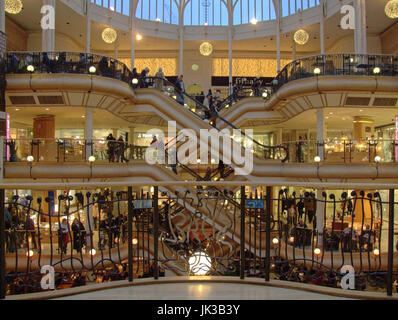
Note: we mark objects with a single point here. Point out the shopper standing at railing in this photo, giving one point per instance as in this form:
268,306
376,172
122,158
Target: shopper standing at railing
120,149
159,79
180,89
144,78
111,147
79,235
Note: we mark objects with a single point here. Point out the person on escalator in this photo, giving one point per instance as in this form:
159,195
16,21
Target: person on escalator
144,78
221,168
159,79
180,89
256,87
135,75
213,114
201,97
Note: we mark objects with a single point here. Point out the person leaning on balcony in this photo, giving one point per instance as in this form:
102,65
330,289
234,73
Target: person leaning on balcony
180,89
111,147
120,149
144,78
79,235
159,79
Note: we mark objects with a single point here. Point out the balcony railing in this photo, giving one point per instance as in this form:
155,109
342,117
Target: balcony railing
67,62
304,151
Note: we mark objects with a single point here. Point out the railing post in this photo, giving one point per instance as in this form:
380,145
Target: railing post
242,231
130,231
2,247
390,242
156,231
268,234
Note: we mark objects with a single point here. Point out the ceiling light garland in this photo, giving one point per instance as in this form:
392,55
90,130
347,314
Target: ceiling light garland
301,37
206,49
13,6
391,9
109,35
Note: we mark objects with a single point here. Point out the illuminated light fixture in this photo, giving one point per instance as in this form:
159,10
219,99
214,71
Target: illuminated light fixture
275,241
253,21
109,35
213,161
157,20
206,24
134,81
376,252
291,239
17,109
30,253
30,68
301,37
391,9
265,94
30,158
377,159
92,69
13,6
206,48
376,70
92,252
138,37
317,251
198,161
199,263
135,241
112,8
195,67
91,159
317,70
317,159
152,189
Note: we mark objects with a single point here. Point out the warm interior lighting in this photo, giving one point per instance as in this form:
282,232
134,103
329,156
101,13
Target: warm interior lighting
377,159
206,49
109,35
199,263
138,37
317,159
135,241
253,20
317,251
30,158
265,94
92,252
13,6
92,69
275,241
30,253
376,70
317,70
30,68
376,252
134,81
301,37
391,9
91,159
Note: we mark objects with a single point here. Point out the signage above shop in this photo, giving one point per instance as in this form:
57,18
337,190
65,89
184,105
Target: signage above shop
244,81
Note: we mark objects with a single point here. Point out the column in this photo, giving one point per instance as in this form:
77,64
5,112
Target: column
181,57
322,28
279,136
320,133
320,218
88,29
2,16
88,132
360,27
230,58
278,45
117,49
131,135
132,53
48,35
293,49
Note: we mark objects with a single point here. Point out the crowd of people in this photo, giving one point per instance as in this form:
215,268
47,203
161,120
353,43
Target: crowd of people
116,149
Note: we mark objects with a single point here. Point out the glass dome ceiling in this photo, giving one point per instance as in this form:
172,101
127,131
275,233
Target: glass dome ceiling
206,12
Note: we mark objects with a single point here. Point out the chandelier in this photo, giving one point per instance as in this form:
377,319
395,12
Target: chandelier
391,9
109,35
301,37
206,49
13,6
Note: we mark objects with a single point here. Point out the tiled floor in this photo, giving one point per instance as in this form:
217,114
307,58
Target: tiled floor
201,291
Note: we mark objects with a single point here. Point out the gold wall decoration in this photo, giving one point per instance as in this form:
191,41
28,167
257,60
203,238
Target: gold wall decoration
391,9
109,35
255,67
13,6
301,37
206,48
169,65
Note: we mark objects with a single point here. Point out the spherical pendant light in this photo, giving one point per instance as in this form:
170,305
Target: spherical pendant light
13,6
109,35
391,9
206,48
301,37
